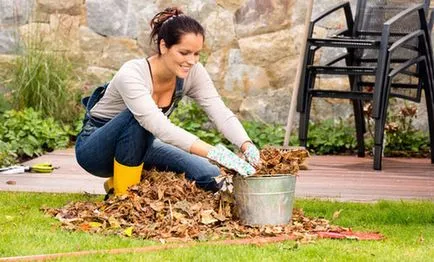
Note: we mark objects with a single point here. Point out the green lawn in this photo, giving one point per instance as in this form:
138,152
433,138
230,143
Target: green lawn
408,227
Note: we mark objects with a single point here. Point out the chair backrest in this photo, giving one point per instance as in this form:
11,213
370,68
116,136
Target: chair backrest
371,15
368,23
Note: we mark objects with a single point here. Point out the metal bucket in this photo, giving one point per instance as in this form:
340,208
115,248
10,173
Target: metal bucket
265,200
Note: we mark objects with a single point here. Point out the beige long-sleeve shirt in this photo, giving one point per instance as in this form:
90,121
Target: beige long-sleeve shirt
132,88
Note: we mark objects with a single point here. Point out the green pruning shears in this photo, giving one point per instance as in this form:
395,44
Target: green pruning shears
18,169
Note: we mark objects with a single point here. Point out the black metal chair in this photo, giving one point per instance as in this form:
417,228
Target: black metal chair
388,53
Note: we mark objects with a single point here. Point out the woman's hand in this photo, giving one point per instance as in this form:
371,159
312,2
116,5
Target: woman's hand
251,153
228,159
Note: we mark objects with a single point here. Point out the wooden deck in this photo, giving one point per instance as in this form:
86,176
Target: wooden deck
342,178
349,178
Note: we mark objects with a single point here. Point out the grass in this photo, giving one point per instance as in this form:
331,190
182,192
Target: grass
408,227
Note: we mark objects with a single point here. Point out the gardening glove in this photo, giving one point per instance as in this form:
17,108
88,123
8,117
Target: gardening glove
228,159
252,155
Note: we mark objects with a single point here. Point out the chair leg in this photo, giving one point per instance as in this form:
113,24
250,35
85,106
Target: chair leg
360,127
429,98
378,145
303,87
380,122
305,114
304,123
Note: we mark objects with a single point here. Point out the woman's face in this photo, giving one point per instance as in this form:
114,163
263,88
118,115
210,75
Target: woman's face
181,57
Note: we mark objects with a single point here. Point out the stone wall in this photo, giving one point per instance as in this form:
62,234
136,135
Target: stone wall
252,46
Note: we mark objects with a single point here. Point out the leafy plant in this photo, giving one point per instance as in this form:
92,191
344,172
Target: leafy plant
42,79
75,127
7,155
28,133
263,134
331,137
401,137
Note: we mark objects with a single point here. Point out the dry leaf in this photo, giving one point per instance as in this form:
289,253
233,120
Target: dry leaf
128,231
177,215
114,223
336,214
157,206
207,217
95,224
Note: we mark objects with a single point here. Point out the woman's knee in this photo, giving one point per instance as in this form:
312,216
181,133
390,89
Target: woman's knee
204,176
206,171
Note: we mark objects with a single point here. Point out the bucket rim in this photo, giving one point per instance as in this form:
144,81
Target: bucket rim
267,177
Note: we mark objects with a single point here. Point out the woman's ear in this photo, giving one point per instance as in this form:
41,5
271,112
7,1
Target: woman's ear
163,48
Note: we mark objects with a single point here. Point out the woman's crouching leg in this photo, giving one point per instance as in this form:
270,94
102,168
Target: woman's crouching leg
121,139
165,157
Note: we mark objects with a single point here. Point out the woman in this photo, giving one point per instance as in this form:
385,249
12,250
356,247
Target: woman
127,127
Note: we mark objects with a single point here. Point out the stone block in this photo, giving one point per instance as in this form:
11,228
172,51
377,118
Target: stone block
231,5
220,31
282,73
244,79
70,7
272,107
216,66
9,41
98,75
65,31
90,41
117,51
265,49
115,18
259,17
15,12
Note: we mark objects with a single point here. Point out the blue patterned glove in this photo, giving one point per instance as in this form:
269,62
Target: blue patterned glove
252,155
228,159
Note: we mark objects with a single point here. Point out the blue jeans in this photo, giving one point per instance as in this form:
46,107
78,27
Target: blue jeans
122,138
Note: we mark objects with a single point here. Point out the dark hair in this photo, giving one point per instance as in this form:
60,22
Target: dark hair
170,25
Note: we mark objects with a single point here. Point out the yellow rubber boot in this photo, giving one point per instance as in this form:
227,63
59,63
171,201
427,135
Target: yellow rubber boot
125,176
108,184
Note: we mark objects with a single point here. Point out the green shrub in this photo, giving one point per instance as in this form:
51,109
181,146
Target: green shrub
264,134
42,79
331,137
7,155
73,129
407,143
401,137
29,134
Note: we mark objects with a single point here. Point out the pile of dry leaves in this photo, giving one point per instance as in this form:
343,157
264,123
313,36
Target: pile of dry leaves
166,206
282,161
